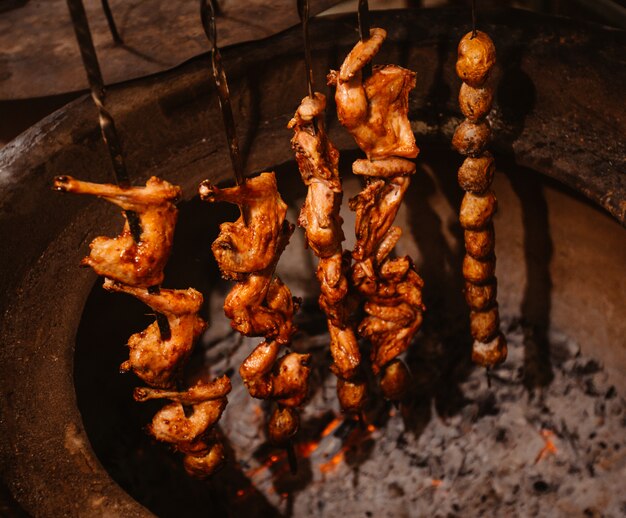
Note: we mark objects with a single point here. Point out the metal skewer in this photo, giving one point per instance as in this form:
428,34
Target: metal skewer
107,125
111,22
303,12
207,15
96,85
364,30
473,19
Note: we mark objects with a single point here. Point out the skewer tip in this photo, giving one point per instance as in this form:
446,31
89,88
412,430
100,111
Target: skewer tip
292,457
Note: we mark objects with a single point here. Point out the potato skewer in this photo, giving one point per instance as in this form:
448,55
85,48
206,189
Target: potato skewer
476,58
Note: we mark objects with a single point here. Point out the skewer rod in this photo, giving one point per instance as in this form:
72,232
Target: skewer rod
473,18
303,12
111,22
96,85
207,15
364,20
364,30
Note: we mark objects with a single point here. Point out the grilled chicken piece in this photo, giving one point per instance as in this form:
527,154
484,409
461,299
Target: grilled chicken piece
284,380
170,424
394,311
375,111
200,392
392,289
262,305
250,243
283,425
204,465
187,430
155,360
317,160
316,156
376,207
122,259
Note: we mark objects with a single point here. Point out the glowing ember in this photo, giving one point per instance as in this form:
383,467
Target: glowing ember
549,447
329,466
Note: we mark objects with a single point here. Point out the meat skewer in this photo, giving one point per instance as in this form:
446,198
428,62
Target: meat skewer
260,304
318,160
476,58
375,111
133,263
157,354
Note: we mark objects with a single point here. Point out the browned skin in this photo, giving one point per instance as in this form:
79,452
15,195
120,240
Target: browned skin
283,425
490,353
480,243
394,380
200,392
475,103
260,304
121,258
471,138
480,296
394,312
284,379
317,160
187,430
479,271
376,207
477,210
153,359
476,58
205,465
485,324
375,112
249,244
476,173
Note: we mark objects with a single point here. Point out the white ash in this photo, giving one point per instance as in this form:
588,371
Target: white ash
488,459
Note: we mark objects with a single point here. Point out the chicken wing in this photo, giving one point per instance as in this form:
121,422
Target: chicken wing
136,263
187,428
375,111
152,358
250,243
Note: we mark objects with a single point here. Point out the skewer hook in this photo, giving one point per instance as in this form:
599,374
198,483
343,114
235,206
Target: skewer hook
207,15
